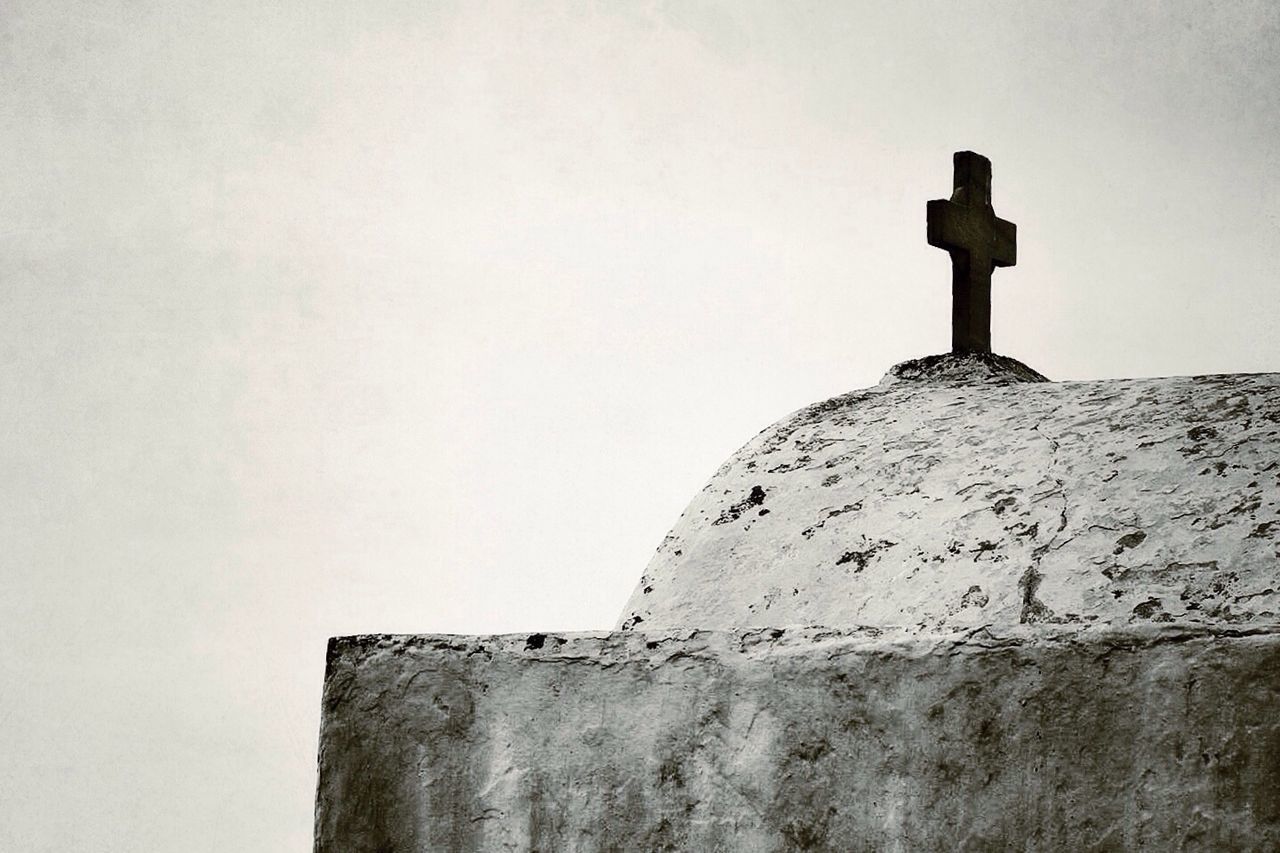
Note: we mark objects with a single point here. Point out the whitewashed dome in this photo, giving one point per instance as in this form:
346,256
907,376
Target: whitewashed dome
967,490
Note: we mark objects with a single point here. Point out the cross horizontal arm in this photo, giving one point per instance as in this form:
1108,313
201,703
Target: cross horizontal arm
976,230
1004,243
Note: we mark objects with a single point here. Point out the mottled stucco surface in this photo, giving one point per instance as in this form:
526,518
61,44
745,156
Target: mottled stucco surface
1154,736
967,491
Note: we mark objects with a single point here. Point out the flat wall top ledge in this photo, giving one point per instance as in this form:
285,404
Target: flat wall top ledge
656,647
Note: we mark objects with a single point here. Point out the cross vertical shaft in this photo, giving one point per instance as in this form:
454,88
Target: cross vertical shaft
978,241
970,303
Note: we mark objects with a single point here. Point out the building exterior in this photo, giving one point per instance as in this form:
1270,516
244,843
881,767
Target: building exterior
966,609
980,613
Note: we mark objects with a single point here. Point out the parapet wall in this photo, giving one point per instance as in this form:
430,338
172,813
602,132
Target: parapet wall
1160,737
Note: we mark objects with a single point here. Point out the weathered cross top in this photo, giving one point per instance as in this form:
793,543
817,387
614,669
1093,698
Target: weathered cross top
978,240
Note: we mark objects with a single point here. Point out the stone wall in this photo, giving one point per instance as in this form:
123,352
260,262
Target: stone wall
1155,736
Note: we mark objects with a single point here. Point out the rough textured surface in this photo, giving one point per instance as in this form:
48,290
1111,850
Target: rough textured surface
965,491
1154,736
966,368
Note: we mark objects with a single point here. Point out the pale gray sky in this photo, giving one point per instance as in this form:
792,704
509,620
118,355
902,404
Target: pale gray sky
320,318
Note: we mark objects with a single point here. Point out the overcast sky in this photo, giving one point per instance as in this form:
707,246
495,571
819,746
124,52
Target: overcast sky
320,318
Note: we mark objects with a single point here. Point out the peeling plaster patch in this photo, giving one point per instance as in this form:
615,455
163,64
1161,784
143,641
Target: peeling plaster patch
984,547
1003,504
828,514
793,465
1129,540
1201,432
734,512
860,558
1152,608
974,597
1033,609
1264,529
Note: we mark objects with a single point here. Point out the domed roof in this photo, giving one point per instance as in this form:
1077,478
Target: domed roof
966,490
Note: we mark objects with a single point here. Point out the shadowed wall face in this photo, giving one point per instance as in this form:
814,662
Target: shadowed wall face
766,741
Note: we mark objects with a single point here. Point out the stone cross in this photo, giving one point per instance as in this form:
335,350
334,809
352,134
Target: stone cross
978,240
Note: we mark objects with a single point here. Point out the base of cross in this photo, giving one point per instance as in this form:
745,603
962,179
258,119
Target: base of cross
963,368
